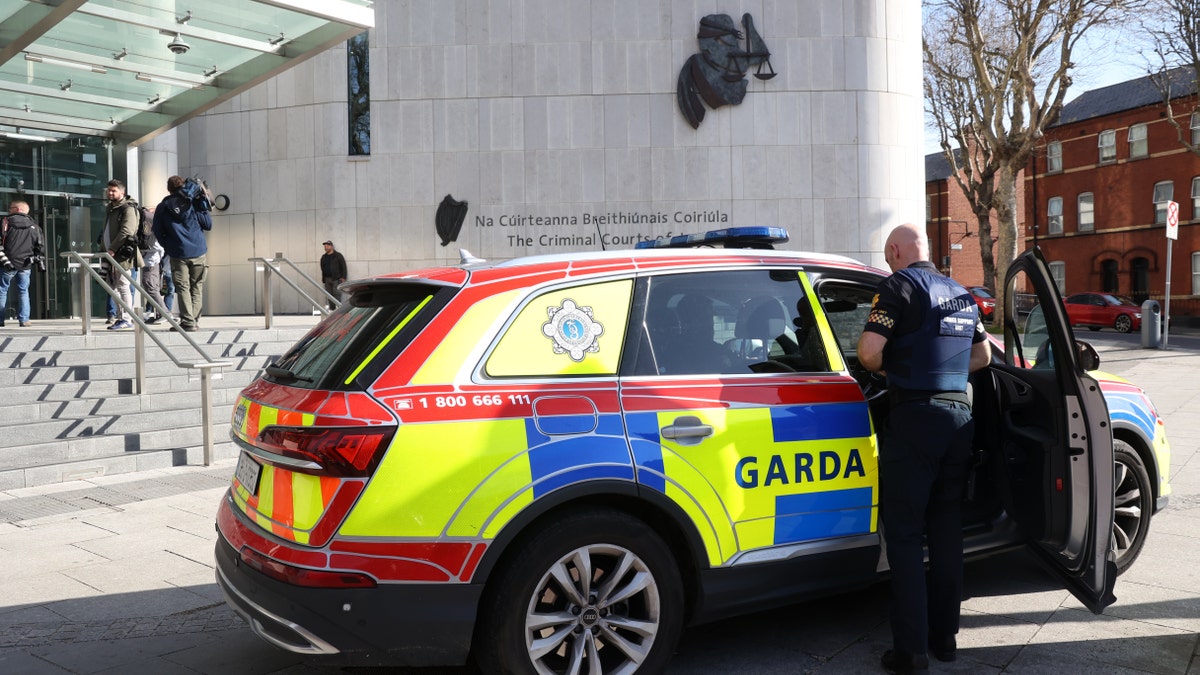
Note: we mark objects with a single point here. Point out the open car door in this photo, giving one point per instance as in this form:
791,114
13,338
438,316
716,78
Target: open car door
1056,449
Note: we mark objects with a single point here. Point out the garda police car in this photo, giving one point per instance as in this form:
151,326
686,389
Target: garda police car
556,463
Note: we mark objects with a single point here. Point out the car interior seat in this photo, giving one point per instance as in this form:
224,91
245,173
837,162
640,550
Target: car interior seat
683,338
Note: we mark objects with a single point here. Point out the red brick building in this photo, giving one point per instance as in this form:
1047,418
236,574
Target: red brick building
951,225
1096,194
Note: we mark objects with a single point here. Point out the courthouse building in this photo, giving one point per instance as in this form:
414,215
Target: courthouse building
511,127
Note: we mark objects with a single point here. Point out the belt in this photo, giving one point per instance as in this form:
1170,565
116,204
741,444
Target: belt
897,396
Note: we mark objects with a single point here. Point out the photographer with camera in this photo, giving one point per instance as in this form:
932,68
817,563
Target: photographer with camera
21,249
180,221
119,237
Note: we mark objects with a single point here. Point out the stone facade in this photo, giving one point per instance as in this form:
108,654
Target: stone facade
557,120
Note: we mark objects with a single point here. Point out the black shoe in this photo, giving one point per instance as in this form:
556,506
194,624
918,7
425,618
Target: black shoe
23,324
897,663
943,648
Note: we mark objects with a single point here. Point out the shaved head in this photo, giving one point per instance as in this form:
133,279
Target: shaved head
905,245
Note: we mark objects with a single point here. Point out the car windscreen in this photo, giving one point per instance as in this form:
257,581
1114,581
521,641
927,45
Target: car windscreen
366,328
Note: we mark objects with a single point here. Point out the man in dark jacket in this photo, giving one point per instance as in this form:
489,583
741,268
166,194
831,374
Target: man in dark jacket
179,225
21,248
333,272
119,238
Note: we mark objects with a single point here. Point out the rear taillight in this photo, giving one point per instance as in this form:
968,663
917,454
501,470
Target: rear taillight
348,452
300,576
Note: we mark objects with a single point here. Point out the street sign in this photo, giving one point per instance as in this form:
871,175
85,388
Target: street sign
1172,235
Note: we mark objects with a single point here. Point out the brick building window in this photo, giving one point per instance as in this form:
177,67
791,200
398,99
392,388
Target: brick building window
1196,274
1054,157
1196,128
1164,192
1108,146
1054,215
1058,272
1086,213
1137,141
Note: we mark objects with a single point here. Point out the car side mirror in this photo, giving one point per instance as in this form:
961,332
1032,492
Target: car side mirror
1087,356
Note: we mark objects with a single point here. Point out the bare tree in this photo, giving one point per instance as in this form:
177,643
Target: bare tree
996,75
1174,27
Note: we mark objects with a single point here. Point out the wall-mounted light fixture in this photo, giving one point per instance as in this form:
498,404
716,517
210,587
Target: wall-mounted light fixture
77,65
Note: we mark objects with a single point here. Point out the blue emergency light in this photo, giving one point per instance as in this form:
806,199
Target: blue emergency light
730,237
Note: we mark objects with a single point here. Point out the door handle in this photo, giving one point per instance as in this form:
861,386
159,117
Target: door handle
687,430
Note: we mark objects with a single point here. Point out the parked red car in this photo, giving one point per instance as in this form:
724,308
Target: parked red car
986,301
1103,310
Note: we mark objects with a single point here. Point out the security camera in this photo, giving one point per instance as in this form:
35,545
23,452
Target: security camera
178,46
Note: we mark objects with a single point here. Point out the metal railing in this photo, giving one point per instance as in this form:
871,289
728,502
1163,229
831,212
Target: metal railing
268,266
206,365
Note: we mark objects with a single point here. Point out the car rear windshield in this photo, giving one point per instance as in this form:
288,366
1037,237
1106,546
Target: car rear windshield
360,338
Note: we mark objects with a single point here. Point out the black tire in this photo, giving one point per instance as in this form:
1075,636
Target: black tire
635,634
1123,323
1093,327
1133,498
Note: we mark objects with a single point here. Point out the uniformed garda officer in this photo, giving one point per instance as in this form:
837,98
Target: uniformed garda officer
924,332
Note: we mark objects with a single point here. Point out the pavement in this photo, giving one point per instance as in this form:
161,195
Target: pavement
115,575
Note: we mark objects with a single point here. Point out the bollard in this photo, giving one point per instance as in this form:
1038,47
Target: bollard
1151,325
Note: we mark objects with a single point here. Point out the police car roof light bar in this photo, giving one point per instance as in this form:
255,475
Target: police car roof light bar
730,237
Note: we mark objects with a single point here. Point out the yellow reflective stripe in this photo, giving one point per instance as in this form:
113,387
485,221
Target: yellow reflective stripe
383,343
832,348
450,356
480,508
266,496
425,477
267,416
507,513
307,504
717,534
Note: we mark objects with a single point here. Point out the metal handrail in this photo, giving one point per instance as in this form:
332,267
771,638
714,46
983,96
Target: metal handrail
268,266
205,367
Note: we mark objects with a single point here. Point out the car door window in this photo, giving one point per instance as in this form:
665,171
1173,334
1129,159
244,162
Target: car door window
578,330
732,322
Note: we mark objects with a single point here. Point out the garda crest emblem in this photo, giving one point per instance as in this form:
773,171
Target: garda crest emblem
572,330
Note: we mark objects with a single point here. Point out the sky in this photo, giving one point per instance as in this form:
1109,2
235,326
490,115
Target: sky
1103,58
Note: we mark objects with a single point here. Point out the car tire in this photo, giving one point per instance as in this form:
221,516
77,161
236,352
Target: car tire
532,623
1123,323
1093,327
1133,498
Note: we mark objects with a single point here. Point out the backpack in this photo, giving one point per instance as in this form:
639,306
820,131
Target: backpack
145,237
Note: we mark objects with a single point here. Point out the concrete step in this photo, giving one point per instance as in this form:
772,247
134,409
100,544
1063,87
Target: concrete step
70,411
32,475
114,404
42,383
19,435
82,355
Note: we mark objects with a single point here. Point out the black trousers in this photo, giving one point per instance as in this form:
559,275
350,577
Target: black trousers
924,454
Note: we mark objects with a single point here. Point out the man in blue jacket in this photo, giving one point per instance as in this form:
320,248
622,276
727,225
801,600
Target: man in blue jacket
180,221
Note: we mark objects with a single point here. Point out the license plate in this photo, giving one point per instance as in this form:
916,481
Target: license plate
247,473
